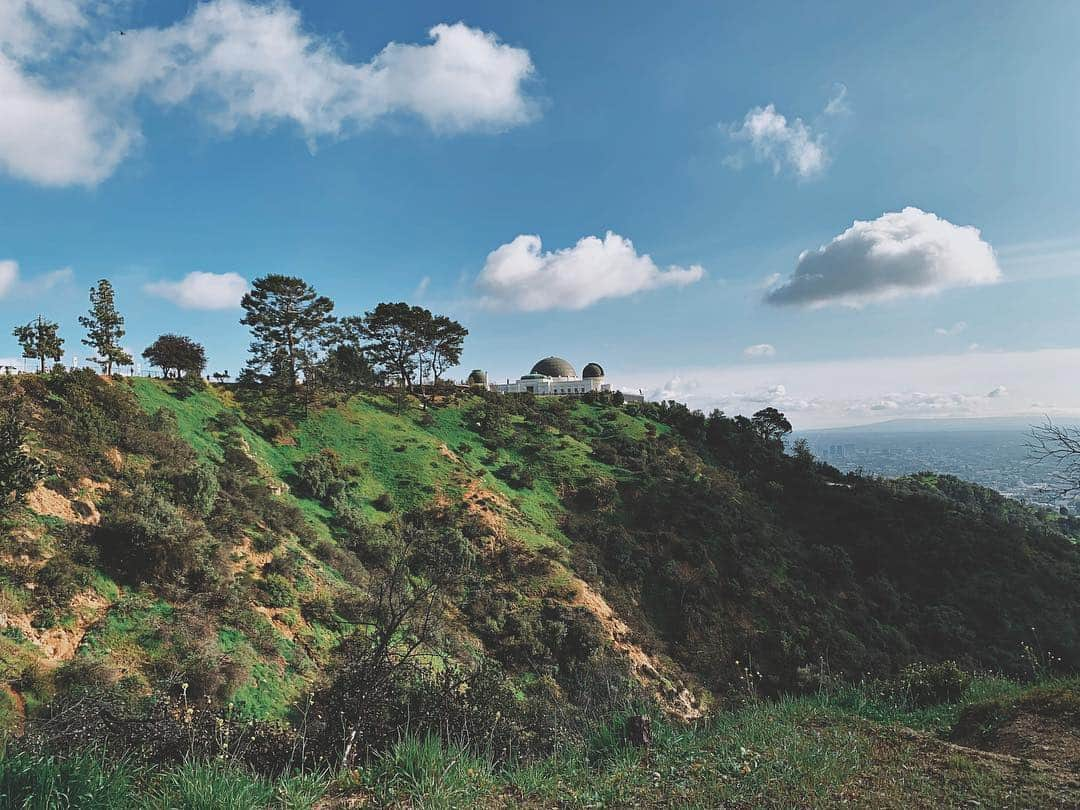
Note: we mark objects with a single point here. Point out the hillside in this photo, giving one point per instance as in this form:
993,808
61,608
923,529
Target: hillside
564,559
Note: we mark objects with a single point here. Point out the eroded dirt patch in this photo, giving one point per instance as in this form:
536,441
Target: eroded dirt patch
59,644
80,509
676,698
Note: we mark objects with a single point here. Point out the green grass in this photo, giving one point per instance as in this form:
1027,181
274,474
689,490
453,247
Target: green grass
89,781
815,751
97,781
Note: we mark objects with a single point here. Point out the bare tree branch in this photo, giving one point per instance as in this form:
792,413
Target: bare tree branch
1057,445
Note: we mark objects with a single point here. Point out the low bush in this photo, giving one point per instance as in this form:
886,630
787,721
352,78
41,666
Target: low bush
277,591
321,476
144,538
929,684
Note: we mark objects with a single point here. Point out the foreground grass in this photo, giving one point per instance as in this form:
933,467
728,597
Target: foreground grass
821,751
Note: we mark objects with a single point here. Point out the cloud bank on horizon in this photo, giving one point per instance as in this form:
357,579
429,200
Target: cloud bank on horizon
900,254
238,65
520,275
864,390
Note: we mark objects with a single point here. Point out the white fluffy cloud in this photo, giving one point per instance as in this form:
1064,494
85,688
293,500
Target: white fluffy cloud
199,290
247,65
521,275
782,144
759,350
55,137
13,284
905,253
32,28
240,65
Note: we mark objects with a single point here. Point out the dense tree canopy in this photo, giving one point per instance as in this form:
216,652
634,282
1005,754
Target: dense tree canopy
176,354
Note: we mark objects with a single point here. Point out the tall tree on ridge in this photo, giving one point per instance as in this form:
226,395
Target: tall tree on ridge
445,338
289,323
105,327
39,341
348,367
394,332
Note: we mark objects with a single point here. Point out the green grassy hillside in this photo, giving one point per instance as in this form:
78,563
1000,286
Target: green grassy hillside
567,560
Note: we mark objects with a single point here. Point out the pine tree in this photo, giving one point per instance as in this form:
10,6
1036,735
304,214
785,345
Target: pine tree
290,325
19,471
40,341
105,327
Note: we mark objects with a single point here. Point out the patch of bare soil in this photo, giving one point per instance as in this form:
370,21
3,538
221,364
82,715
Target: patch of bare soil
677,699
59,644
80,509
487,506
115,459
906,768
1032,736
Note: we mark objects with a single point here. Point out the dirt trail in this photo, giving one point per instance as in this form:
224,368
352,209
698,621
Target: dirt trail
1031,737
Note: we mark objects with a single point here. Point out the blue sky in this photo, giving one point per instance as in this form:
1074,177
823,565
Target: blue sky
722,140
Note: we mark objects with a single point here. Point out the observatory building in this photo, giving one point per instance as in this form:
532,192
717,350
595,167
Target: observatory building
552,376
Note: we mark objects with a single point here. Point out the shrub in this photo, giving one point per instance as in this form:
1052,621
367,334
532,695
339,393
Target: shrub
930,684
198,489
321,476
384,503
146,539
515,475
277,591
319,608
55,585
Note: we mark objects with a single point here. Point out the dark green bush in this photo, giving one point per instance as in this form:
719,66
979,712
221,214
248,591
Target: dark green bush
55,585
198,488
929,684
321,476
277,591
515,475
144,538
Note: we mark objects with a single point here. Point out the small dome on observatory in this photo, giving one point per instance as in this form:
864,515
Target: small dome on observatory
477,377
592,370
554,367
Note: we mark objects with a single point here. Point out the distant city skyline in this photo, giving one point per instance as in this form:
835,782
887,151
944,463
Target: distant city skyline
842,212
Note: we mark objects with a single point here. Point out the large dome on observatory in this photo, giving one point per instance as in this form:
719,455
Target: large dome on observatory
554,367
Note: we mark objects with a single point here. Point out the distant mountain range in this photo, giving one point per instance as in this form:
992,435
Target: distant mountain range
1010,424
